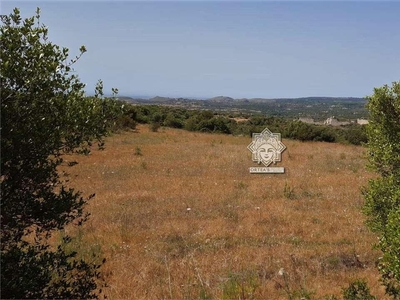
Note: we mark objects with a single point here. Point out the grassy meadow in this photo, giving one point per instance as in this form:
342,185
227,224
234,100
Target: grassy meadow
177,215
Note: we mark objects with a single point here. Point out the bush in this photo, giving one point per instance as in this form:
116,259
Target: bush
383,194
357,290
125,122
44,115
355,134
154,126
172,121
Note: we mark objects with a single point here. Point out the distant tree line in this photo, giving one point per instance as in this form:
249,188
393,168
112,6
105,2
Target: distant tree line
213,122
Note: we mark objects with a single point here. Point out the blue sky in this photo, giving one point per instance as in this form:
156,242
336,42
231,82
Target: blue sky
237,49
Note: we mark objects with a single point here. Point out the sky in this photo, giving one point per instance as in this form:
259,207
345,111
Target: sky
240,49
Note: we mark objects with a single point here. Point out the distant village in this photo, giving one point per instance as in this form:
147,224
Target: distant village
332,121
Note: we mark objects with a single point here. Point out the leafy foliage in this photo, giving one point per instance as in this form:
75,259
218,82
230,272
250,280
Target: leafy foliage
44,115
357,290
383,194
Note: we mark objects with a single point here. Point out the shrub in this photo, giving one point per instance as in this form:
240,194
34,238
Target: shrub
383,194
44,115
357,290
154,126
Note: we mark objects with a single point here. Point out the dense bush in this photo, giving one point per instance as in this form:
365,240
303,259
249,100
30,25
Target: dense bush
383,193
357,290
44,114
173,121
354,134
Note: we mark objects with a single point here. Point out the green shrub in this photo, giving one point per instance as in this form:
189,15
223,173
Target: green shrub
44,115
382,195
357,290
154,126
240,285
138,151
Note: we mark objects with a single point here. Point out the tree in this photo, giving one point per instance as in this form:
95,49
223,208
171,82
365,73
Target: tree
44,115
383,193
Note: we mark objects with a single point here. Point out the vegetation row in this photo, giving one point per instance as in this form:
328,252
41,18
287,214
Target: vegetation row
237,124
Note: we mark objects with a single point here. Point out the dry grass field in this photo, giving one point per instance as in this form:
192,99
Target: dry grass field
178,216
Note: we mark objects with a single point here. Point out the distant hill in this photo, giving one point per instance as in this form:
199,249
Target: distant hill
308,99
125,98
221,99
318,108
225,99
161,99
340,99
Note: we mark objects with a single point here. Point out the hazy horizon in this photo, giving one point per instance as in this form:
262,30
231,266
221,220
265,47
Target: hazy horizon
206,98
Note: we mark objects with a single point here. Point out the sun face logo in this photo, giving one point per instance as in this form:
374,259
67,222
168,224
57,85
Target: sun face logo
266,147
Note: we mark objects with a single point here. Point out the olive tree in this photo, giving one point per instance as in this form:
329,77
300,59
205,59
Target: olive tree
383,193
44,115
